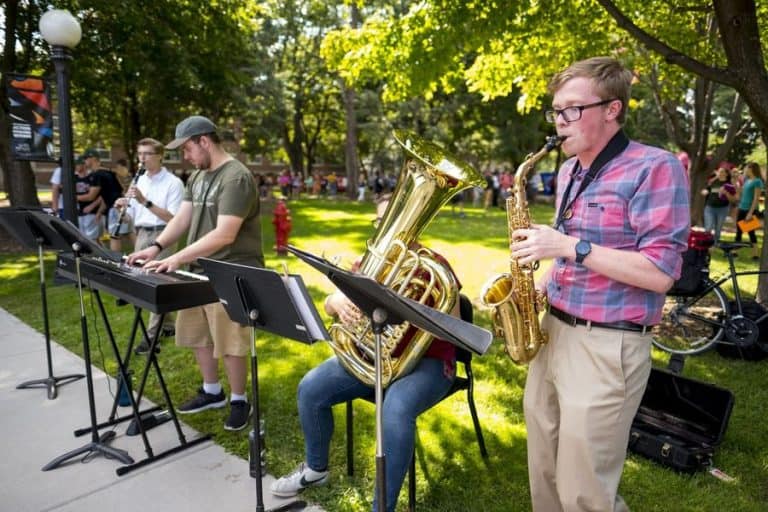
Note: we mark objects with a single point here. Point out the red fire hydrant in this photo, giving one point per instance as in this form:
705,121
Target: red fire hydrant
281,218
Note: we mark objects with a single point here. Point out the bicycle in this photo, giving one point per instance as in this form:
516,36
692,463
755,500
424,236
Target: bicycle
693,323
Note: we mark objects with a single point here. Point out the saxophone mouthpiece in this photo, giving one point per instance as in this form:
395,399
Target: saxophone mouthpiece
554,141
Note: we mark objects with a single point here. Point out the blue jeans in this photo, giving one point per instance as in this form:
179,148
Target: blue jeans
714,218
329,384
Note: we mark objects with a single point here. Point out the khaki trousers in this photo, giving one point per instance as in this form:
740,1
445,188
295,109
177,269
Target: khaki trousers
582,392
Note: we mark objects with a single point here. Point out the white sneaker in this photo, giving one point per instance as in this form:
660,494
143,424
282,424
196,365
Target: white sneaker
300,479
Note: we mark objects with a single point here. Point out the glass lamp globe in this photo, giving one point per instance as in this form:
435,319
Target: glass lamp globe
60,28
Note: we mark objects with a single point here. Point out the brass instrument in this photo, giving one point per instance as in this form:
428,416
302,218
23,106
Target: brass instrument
513,297
428,179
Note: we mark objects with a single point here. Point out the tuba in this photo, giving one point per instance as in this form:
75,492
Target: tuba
427,181
513,297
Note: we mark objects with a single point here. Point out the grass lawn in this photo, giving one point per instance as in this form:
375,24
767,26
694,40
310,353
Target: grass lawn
451,474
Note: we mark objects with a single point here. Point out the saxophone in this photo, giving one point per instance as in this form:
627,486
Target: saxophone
513,297
428,179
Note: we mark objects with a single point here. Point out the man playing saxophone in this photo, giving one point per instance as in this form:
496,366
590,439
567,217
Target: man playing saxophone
622,219
406,398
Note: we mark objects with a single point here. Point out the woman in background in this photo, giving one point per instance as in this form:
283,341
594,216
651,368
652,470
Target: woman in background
720,193
749,203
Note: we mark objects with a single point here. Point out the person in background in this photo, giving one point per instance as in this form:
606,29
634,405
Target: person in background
621,226
361,185
719,194
89,202
220,214
123,174
151,203
125,235
57,199
749,203
107,184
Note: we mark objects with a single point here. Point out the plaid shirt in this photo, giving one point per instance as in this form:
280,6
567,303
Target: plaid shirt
638,202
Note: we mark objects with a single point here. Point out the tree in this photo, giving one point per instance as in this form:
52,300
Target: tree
295,103
18,177
142,65
511,45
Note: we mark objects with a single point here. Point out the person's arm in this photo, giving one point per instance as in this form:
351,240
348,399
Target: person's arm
541,242
93,193
660,215
755,206
55,193
225,232
156,210
169,236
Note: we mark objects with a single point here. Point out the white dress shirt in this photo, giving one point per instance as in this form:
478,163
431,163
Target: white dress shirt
164,189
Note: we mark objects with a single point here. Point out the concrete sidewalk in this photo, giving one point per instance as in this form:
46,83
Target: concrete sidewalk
35,430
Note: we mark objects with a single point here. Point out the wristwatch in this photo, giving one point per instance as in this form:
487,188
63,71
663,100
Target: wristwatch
149,204
583,248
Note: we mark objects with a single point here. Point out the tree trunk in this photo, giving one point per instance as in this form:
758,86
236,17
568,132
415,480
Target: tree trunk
18,177
350,144
351,162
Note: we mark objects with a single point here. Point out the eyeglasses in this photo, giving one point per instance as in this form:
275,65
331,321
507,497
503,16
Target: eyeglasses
146,153
573,113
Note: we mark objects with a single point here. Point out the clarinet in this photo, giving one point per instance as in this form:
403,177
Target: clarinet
119,224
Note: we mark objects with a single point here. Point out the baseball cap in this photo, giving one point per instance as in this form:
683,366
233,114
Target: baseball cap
90,152
79,160
191,126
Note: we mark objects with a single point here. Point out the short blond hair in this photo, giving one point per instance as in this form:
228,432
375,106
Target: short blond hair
611,79
157,146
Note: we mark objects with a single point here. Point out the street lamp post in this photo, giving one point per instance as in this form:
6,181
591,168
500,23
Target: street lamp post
62,32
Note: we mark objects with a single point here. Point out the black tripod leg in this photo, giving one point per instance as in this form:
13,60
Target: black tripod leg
51,381
97,443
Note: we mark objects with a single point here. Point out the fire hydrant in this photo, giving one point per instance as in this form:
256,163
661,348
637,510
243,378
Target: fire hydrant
281,218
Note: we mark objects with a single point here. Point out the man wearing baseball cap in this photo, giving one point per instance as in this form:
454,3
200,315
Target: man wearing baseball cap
220,212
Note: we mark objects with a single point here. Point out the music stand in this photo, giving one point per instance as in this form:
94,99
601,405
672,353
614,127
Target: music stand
20,223
265,300
81,245
385,307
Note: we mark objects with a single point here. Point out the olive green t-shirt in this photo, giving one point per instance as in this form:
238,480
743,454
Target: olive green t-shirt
228,190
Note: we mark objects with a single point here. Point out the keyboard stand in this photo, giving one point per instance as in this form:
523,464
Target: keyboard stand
123,363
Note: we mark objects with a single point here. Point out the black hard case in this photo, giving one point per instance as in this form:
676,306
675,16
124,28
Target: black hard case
680,421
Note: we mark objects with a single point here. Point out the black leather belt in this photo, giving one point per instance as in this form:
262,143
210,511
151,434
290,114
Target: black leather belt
151,228
620,325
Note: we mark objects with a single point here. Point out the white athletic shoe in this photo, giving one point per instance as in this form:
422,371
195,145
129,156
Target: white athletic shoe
303,477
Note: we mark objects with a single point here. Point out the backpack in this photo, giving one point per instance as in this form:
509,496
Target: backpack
695,264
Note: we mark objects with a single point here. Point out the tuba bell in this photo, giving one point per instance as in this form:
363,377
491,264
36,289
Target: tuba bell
427,181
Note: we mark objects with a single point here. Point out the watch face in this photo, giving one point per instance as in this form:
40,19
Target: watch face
583,248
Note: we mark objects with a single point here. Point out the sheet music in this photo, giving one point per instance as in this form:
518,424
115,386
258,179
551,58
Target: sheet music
306,309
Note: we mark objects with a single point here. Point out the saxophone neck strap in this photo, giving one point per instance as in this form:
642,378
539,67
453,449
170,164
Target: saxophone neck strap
615,146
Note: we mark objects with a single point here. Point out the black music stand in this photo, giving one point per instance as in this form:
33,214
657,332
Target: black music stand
21,224
82,245
265,300
385,307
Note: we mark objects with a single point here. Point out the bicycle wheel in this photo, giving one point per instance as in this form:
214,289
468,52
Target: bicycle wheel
691,325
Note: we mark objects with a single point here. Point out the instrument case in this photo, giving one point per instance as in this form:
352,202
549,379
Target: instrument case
680,421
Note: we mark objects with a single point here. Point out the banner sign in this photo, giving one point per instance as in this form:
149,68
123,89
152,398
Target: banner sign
31,123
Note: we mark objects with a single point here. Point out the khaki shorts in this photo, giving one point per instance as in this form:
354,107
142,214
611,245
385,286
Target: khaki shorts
209,325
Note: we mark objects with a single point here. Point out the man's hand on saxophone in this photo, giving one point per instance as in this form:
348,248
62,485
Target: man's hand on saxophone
540,242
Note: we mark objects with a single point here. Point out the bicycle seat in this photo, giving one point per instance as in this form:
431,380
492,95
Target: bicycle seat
732,246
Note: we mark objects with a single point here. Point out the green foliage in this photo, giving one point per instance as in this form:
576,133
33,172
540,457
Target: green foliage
142,65
451,474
